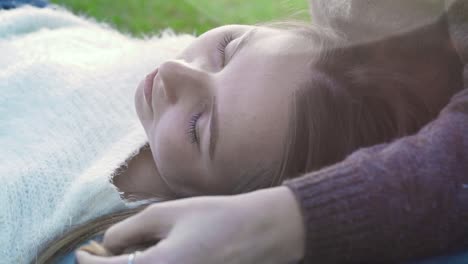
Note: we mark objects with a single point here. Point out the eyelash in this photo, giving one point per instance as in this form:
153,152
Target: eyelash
192,129
223,44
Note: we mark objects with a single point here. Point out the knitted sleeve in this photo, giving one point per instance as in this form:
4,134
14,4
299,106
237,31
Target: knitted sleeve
392,202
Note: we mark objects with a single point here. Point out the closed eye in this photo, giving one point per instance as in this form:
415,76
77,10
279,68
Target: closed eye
192,128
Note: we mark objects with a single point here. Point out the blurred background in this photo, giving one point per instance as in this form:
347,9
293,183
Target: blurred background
147,17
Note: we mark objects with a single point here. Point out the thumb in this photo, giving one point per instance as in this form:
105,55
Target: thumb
149,225
83,257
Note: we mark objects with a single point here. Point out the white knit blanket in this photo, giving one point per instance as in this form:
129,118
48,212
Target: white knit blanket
67,120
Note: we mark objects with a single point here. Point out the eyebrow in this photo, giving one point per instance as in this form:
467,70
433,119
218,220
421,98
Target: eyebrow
242,43
214,129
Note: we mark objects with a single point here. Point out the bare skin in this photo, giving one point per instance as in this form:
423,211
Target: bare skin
217,111
252,105
233,229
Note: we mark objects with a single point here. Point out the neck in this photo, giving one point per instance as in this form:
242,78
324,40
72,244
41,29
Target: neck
141,179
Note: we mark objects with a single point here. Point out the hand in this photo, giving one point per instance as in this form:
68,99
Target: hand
259,227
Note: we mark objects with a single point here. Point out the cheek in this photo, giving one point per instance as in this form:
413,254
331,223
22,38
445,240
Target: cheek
168,144
173,153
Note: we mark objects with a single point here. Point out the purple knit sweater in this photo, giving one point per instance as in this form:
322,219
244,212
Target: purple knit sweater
395,201
392,202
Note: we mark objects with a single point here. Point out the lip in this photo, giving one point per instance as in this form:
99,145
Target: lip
148,90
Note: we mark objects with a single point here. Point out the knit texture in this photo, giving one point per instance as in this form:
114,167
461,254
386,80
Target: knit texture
391,202
401,200
67,121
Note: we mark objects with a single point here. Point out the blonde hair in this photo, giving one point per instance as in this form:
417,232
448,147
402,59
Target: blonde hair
71,240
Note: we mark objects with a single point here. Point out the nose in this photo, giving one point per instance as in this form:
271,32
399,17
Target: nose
180,79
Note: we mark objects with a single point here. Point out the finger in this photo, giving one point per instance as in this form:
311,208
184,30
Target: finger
85,258
164,252
154,254
148,225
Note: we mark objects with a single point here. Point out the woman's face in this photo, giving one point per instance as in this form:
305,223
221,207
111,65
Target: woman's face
221,108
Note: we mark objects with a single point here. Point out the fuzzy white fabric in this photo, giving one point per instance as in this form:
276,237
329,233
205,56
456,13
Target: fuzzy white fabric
67,121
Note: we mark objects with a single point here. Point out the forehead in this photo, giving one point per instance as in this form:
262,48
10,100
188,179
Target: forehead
254,94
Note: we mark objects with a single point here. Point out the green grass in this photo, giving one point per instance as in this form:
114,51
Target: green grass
144,17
